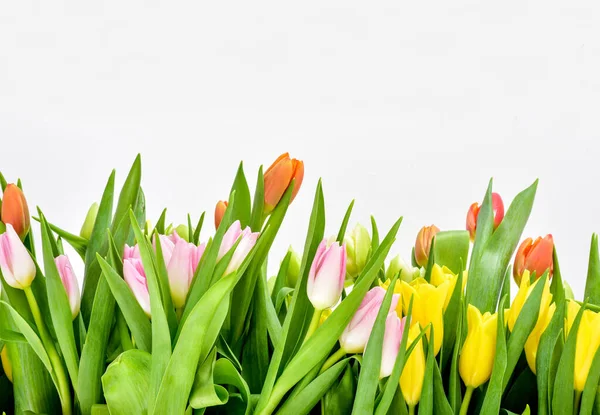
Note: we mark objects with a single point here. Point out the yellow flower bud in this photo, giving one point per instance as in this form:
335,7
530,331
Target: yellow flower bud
90,220
525,290
588,341
533,341
413,374
440,275
479,350
6,363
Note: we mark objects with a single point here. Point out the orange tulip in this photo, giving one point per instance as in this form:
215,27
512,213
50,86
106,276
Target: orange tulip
498,210
279,176
220,212
15,210
535,257
423,244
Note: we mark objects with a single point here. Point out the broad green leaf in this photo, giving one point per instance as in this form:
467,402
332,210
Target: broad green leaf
242,209
10,336
426,401
485,225
591,386
374,235
440,401
78,243
226,374
452,249
129,193
160,223
339,399
258,206
225,351
126,383
344,225
100,410
451,317
506,284
522,392
204,392
592,285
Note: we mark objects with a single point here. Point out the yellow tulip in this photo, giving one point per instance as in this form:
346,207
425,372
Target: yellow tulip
525,290
440,275
6,363
413,374
588,341
533,341
478,352
572,310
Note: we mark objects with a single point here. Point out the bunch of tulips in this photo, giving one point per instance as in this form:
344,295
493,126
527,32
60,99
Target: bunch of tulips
167,324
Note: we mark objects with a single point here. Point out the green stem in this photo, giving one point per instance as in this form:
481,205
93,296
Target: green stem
64,389
314,324
577,401
411,410
466,401
333,359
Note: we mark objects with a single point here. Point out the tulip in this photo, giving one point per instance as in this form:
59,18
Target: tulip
588,341
181,269
356,334
525,290
135,277
131,252
15,210
428,305
278,177
534,257
407,273
358,245
439,275
182,231
394,327
167,246
69,280
88,223
6,365
423,244
533,341
247,241
17,266
413,373
293,270
479,350
327,274
498,212
220,212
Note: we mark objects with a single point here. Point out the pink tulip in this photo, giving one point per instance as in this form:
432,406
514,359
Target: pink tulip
69,280
135,277
394,327
17,266
167,245
131,252
181,269
327,275
355,336
247,241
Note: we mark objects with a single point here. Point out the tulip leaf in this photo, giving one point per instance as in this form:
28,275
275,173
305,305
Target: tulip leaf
522,391
452,249
128,197
451,317
440,400
281,280
78,243
196,238
258,205
126,383
562,397
591,386
426,401
374,235
430,261
225,373
100,410
281,296
204,392
225,351
272,320
342,232
554,362
525,323
160,223
10,336
339,399
165,290
492,251
371,366
242,208
454,391
592,285
132,311
3,182
60,309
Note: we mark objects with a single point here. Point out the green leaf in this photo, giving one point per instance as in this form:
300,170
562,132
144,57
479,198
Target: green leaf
100,410
78,243
196,239
129,193
454,391
225,351
440,401
426,401
452,249
369,374
164,288
126,383
522,392
430,261
339,399
226,374
557,288
490,259
10,336
60,309
485,225
374,235
258,206
344,225
591,386
451,317
160,223
204,392
281,279
242,207
592,285
562,398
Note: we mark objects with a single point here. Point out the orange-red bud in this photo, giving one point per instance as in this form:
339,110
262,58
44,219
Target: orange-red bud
220,212
279,176
15,210
423,244
473,213
534,256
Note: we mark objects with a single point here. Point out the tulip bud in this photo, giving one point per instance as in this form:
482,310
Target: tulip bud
356,334
135,277
15,210
588,342
69,280
132,252
394,327
358,245
182,232
525,290
247,241
17,266
479,350
181,269
278,178
413,373
6,365
220,212
473,213
167,246
293,271
533,341
407,273
327,275
423,244
88,223
534,257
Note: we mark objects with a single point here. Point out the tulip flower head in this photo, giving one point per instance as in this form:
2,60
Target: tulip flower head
407,273
278,178
167,245
135,277
423,244
356,334
181,269
69,280
440,275
413,373
533,341
293,270
525,290
220,212
358,245
327,274
6,365
394,327
88,223
247,241
588,342
16,264
479,350
534,256
498,212
131,252
15,210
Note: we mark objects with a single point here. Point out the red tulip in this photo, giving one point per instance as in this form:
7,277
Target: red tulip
535,257
220,212
498,210
279,176
423,244
15,210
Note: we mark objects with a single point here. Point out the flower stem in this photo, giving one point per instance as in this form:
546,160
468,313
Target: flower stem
466,401
577,401
314,324
64,390
411,410
333,359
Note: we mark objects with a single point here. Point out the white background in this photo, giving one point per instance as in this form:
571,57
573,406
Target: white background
409,107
